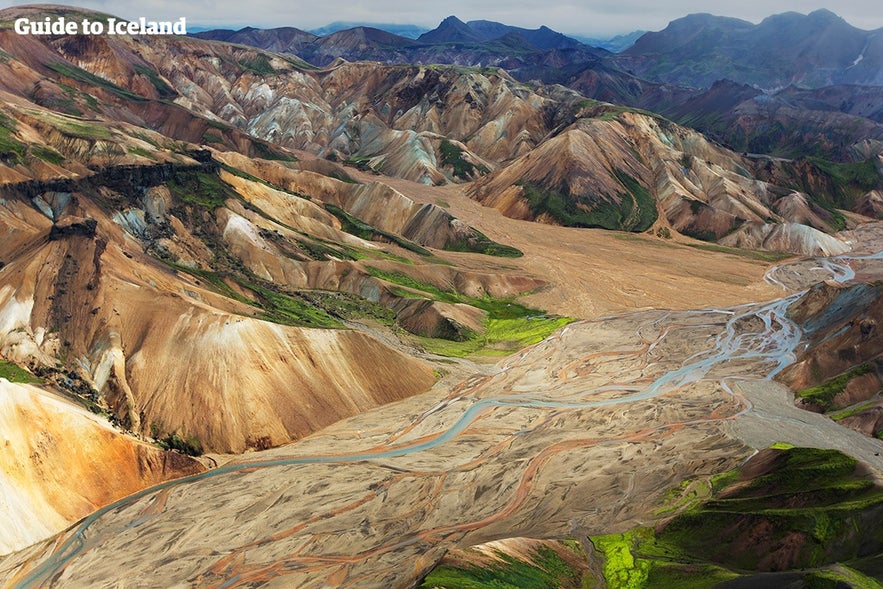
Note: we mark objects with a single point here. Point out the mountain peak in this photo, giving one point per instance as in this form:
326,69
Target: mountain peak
450,30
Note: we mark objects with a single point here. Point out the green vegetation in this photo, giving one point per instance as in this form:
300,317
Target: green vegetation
509,325
850,411
47,155
839,577
142,153
276,306
452,155
259,64
162,88
827,511
69,71
830,184
359,228
74,127
14,373
858,177
202,189
480,243
187,445
635,212
545,570
823,394
288,308
209,137
12,151
267,151
621,569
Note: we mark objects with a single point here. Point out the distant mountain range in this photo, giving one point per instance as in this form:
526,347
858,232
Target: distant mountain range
755,88
808,51
814,50
408,31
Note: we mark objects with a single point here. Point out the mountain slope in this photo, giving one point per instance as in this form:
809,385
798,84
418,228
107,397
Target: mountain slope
61,462
818,49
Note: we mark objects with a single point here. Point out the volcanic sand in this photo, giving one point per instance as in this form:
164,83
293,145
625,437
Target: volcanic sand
526,456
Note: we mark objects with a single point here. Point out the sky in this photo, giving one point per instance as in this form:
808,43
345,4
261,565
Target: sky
594,18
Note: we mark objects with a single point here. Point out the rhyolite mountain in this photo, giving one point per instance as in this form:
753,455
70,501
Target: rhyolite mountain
435,125
223,248
698,72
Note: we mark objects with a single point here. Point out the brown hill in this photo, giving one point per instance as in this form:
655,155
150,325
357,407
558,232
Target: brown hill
61,462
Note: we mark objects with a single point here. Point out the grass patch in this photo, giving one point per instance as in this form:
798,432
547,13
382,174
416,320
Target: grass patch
359,228
276,306
69,71
188,445
509,326
48,155
839,577
160,85
14,373
12,151
850,411
74,127
209,137
812,497
201,189
823,394
622,569
259,64
452,155
635,212
142,153
545,570
687,576
478,242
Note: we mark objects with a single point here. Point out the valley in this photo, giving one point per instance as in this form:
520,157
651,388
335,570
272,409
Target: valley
505,452
482,305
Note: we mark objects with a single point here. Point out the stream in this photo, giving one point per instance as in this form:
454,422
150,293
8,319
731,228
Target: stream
759,335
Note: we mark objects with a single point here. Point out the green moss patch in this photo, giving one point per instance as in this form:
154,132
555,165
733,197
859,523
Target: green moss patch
74,73
509,326
546,569
636,210
14,373
823,394
451,155
202,189
359,228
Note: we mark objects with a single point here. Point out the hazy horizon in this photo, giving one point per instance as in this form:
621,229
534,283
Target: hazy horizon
590,19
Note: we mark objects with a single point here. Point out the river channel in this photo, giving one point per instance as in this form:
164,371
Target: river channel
579,434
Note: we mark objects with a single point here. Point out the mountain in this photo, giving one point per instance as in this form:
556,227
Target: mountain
839,123
61,462
541,38
110,206
615,44
282,39
810,51
434,125
451,30
407,31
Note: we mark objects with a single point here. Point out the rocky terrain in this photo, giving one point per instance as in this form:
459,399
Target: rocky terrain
401,310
